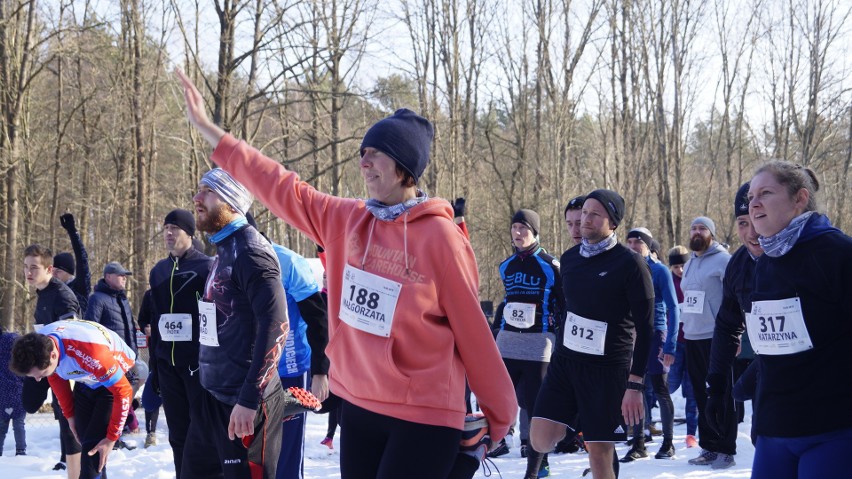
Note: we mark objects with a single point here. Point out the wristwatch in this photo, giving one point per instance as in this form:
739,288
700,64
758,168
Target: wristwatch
635,386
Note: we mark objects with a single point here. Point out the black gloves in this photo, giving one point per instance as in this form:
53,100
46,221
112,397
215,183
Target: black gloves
67,222
716,409
458,207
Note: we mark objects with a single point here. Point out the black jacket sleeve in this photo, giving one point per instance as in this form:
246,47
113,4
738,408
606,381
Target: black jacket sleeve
82,284
258,274
730,324
146,311
315,315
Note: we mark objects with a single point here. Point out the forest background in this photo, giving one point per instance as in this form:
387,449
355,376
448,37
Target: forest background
671,103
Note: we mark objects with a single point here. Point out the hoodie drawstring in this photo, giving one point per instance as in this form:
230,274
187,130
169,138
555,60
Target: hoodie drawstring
404,242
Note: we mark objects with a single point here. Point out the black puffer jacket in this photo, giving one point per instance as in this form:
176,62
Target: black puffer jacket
110,308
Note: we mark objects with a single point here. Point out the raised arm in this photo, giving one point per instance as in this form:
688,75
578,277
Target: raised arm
82,284
196,112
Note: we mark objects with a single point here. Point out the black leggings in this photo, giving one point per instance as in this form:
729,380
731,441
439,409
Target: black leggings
527,377
92,411
375,446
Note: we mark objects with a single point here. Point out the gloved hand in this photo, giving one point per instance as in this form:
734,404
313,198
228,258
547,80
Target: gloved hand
459,207
67,222
716,410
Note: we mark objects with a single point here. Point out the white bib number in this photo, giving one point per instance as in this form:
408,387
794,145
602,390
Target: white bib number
777,327
584,335
693,302
208,333
175,327
519,315
141,340
368,301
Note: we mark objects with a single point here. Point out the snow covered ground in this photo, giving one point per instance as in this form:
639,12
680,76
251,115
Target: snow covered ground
156,462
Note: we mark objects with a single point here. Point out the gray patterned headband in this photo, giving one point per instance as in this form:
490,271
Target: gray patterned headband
231,192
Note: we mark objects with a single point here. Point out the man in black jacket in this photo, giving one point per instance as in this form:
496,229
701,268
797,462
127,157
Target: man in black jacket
176,283
109,306
55,301
242,324
74,270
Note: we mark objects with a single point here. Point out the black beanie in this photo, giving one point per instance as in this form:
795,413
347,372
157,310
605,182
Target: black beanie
643,234
182,219
612,202
676,259
406,137
529,218
576,203
65,262
741,200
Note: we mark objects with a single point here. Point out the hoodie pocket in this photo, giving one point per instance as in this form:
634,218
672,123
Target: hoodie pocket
365,366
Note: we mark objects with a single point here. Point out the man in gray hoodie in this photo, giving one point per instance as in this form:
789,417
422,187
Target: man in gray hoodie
702,297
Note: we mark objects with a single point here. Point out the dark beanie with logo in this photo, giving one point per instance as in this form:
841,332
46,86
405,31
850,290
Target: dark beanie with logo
612,202
65,262
643,234
741,200
183,219
406,137
529,218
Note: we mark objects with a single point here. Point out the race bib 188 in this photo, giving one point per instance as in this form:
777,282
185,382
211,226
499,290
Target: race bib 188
368,301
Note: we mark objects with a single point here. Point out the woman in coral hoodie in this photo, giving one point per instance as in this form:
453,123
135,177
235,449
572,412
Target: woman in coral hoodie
404,318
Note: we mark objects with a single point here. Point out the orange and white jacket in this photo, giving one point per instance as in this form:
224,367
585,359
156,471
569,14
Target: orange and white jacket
439,333
93,356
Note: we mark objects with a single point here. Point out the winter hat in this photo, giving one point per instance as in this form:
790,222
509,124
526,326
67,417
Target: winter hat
655,247
643,234
116,268
65,262
703,220
231,191
676,259
183,219
576,203
529,218
406,137
741,200
612,202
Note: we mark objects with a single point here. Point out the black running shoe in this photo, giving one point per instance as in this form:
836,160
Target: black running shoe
60,466
501,450
667,450
634,454
122,445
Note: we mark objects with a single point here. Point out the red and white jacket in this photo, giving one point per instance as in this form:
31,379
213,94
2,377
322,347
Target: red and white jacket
94,356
